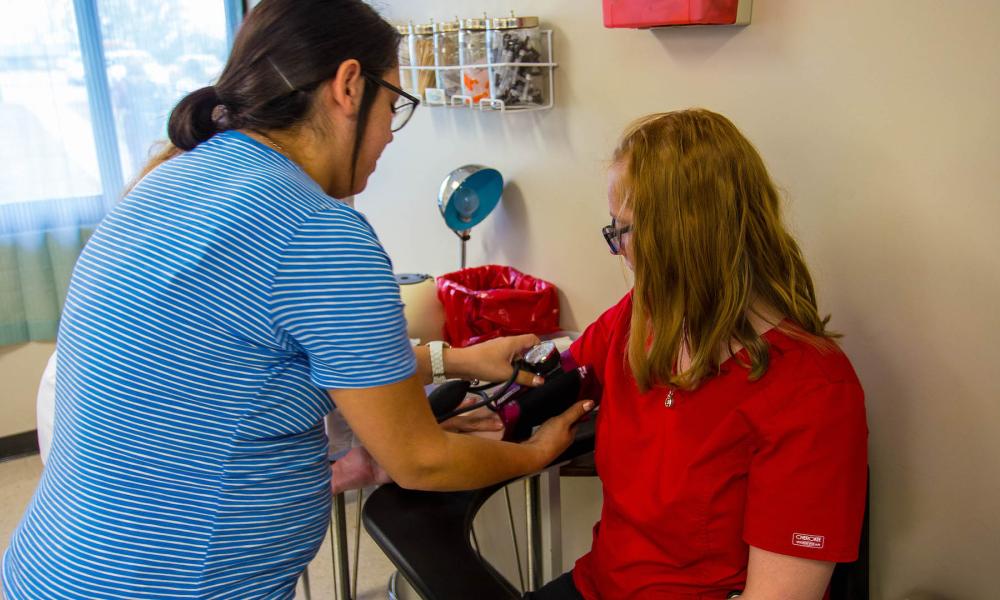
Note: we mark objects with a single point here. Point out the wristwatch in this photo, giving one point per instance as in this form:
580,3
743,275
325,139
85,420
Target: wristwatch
437,361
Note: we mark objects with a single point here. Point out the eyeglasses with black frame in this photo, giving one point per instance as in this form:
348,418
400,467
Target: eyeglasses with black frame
613,236
404,106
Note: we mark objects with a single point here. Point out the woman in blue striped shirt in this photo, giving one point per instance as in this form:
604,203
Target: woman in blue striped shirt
216,316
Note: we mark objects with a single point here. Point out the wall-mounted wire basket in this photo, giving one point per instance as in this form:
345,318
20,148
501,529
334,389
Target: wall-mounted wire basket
514,85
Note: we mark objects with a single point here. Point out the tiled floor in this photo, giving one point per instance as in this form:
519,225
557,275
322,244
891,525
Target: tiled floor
17,483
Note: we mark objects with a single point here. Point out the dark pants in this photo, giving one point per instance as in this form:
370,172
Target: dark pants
560,588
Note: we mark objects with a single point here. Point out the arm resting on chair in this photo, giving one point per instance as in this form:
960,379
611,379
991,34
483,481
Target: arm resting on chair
426,535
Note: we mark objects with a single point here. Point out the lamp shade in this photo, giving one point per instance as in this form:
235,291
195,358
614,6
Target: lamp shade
468,194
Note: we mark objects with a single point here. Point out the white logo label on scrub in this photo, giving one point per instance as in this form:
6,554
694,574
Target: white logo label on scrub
807,540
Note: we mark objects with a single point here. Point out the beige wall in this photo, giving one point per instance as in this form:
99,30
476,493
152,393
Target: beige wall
879,120
21,369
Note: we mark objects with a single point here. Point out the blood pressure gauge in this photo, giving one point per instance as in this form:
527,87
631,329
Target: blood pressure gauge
541,359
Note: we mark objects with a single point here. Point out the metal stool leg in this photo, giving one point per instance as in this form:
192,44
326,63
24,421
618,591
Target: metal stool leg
513,538
357,544
338,547
533,504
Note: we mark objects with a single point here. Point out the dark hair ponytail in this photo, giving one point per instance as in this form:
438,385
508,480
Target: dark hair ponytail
191,120
283,51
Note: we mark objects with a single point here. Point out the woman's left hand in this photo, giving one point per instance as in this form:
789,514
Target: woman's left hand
491,360
481,422
357,469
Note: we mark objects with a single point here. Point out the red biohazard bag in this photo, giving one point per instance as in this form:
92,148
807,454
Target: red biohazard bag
481,303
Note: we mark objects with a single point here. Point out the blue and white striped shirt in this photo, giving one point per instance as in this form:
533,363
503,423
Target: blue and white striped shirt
204,320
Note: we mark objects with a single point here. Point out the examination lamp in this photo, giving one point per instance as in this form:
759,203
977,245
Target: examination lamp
468,194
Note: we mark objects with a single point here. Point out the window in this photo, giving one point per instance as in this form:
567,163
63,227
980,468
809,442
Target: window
86,87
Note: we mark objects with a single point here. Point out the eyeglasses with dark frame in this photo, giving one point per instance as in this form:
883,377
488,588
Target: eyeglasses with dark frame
613,236
404,106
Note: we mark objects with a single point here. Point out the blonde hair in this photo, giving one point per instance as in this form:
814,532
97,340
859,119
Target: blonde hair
707,242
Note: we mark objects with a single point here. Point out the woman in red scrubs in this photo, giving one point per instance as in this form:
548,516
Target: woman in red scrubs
731,439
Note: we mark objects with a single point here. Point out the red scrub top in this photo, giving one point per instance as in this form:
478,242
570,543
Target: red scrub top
779,464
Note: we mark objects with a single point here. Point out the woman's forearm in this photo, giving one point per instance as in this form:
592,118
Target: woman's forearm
459,363
486,361
423,355
395,425
464,461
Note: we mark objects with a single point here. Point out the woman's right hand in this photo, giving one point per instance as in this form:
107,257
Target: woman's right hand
556,434
492,360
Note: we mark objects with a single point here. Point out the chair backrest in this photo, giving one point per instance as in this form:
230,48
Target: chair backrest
850,580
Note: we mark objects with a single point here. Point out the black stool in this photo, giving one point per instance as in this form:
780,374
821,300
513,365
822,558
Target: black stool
426,535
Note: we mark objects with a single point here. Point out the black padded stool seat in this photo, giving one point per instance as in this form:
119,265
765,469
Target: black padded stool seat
426,535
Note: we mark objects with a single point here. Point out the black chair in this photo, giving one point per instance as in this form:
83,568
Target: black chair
426,536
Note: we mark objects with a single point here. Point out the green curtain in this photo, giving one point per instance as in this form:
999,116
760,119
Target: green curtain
35,269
